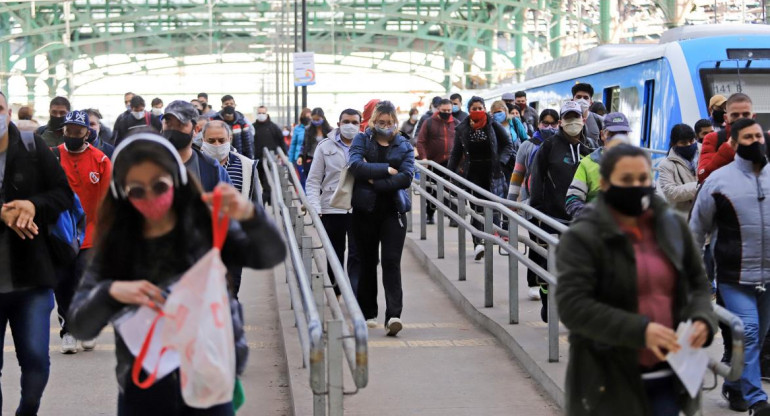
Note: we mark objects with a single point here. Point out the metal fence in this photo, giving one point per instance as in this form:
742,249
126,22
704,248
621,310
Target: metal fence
453,193
311,293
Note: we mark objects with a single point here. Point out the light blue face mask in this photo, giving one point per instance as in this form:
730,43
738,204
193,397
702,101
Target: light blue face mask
3,124
455,108
499,117
384,132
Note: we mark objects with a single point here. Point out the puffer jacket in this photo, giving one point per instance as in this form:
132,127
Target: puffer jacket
243,138
713,155
598,301
502,152
93,308
400,157
733,205
297,138
585,184
328,162
677,181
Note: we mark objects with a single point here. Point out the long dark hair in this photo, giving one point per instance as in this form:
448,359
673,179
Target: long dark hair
118,241
325,127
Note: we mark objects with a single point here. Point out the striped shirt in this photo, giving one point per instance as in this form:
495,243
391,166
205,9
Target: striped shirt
234,168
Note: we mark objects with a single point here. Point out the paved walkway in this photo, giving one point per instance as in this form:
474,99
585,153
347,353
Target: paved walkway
84,383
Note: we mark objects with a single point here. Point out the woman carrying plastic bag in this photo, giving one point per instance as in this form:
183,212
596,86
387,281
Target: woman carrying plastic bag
154,226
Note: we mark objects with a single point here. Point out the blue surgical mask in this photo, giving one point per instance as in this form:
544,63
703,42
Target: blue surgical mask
317,122
384,132
499,117
455,108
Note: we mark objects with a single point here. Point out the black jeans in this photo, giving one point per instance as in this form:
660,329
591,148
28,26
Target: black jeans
430,209
532,279
370,230
164,398
68,280
338,227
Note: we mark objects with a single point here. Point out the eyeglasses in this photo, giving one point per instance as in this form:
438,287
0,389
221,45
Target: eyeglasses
554,124
159,187
384,125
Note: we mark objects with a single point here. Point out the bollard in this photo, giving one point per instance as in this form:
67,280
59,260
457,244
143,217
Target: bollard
488,258
513,273
440,221
462,260
423,208
334,368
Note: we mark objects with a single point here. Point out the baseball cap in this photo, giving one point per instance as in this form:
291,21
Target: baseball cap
717,100
616,123
570,107
508,96
182,110
78,118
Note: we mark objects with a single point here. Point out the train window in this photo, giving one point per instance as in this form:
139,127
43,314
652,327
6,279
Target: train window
612,99
535,105
628,103
649,91
755,82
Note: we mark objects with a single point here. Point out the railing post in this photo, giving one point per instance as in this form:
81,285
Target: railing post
440,220
462,260
319,398
553,316
489,273
287,197
318,293
423,207
513,273
307,254
334,359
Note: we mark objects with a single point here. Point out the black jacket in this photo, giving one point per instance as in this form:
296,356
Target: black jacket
400,157
37,177
552,172
597,300
502,149
127,122
267,135
93,308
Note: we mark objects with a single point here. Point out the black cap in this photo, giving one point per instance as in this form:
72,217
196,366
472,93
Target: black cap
182,110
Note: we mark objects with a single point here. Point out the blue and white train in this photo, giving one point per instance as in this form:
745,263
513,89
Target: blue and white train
660,85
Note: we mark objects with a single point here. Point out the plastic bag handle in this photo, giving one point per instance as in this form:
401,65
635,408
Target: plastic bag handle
137,368
220,225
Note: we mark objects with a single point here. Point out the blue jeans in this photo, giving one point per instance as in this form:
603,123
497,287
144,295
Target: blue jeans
753,307
29,314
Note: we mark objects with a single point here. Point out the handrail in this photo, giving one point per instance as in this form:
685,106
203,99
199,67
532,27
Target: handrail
735,369
315,329
358,360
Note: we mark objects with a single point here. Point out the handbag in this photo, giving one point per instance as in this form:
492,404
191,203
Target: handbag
343,195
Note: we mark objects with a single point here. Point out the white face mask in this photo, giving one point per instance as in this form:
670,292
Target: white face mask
218,152
261,117
573,127
415,117
3,124
157,111
138,114
285,133
349,131
584,104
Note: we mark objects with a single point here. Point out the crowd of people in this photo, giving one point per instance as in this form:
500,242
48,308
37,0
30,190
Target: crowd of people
646,249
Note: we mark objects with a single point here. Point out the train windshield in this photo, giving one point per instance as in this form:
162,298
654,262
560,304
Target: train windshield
753,82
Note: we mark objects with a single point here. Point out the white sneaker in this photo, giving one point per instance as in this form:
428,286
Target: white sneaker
88,345
371,323
69,345
394,326
534,293
478,252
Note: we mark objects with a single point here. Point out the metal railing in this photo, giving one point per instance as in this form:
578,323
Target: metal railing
314,292
448,186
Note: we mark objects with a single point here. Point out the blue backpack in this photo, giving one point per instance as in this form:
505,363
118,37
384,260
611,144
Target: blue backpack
66,235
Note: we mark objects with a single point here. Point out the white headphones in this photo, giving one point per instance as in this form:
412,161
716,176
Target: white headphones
146,137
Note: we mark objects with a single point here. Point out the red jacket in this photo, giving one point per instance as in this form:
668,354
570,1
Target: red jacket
712,158
88,174
436,138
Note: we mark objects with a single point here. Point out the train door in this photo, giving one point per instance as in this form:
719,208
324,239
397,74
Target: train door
647,107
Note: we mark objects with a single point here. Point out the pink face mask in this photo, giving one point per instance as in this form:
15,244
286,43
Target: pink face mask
154,208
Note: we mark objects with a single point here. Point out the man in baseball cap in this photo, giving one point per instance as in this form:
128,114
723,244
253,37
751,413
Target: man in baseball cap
717,106
509,98
178,124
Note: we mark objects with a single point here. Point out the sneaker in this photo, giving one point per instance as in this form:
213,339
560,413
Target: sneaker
760,409
534,293
478,252
734,399
88,345
69,345
394,326
453,223
371,323
430,220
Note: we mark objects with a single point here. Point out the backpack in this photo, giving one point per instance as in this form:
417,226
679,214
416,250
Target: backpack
721,138
69,231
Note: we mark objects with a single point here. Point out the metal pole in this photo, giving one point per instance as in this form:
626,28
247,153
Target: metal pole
307,256
423,207
440,220
513,273
334,360
489,272
318,292
296,49
304,46
553,316
462,261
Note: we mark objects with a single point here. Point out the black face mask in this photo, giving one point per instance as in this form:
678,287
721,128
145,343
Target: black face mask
629,200
56,123
444,116
73,144
718,116
178,139
304,121
754,152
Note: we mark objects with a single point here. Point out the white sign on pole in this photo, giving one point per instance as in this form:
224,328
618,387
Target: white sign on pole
304,69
